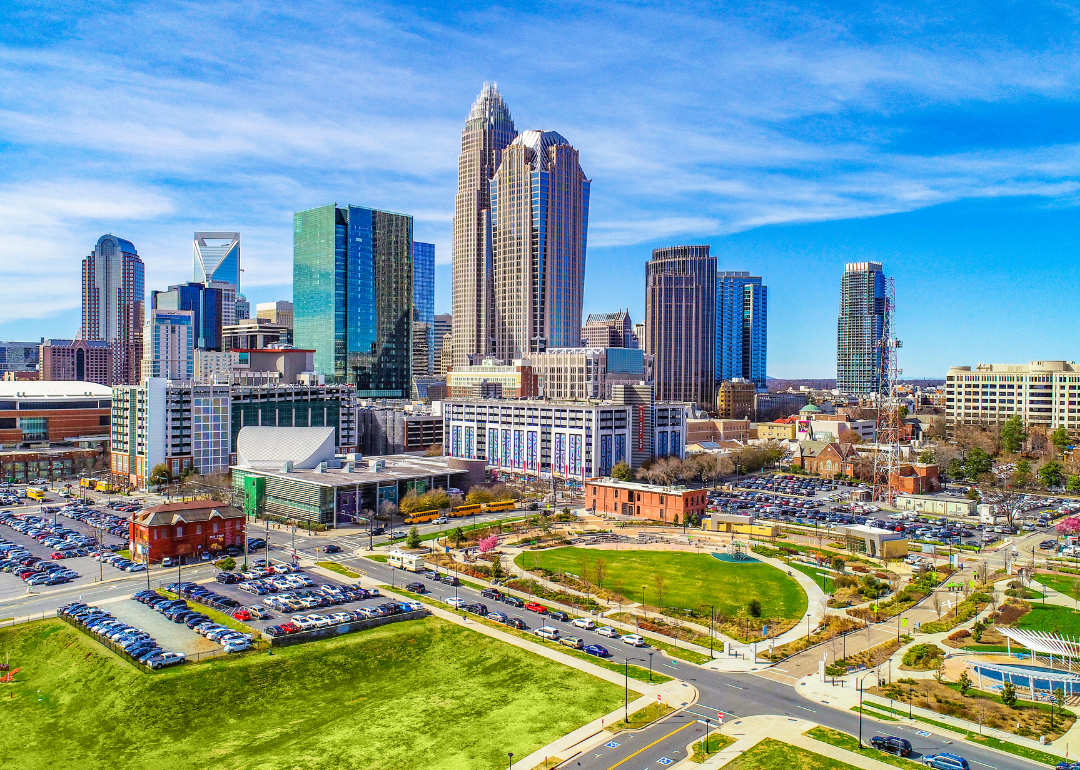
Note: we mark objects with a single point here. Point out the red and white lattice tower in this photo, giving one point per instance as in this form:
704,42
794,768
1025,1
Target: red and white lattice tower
887,451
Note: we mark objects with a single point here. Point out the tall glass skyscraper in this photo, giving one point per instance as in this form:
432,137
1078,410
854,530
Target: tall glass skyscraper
539,229
741,328
489,129
352,296
206,306
680,323
217,262
423,292
859,328
113,304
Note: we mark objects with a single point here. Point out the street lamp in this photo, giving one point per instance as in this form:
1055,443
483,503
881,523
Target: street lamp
863,679
511,755
705,747
626,688
650,668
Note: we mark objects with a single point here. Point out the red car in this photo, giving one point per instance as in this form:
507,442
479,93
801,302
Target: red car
534,607
242,614
290,628
56,555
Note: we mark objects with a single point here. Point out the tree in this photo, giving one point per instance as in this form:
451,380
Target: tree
487,544
902,412
982,571
955,468
1013,434
935,602
1050,474
838,563
497,567
228,564
675,519
964,682
1072,484
458,535
600,565
1068,526
622,471
1008,694
658,580
1060,438
939,671
413,540
926,456
977,463
938,428
1059,702
160,475
753,608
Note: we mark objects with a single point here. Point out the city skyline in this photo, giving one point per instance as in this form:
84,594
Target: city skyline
861,141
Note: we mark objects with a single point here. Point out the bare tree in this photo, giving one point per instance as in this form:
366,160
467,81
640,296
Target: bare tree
658,581
600,565
982,571
935,602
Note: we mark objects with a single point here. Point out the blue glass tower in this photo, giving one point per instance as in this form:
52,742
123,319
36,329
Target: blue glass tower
741,328
423,298
206,305
352,296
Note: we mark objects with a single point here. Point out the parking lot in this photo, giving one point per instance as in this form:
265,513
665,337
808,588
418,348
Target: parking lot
171,636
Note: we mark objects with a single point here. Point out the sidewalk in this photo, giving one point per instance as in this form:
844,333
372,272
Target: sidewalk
752,730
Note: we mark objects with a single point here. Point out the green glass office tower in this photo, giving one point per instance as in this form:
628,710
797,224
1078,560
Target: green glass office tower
352,296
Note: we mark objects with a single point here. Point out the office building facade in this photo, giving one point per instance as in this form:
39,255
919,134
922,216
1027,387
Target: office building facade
423,292
571,374
37,411
489,130
113,304
169,345
540,223
1043,393
680,323
279,312
859,328
216,257
390,431
19,356
352,295
741,327
735,399
207,306
609,330
76,361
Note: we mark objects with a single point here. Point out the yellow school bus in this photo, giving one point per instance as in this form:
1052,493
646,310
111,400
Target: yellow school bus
465,510
421,517
502,505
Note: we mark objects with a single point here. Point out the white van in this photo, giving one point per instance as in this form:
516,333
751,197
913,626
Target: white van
547,632
410,562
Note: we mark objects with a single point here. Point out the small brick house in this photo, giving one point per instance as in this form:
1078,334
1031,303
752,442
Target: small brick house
644,501
185,529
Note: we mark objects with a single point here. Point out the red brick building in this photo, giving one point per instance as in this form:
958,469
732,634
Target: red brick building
917,479
643,501
41,411
185,529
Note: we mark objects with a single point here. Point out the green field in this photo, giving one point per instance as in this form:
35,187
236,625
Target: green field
1063,584
1052,618
407,696
771,754
694,581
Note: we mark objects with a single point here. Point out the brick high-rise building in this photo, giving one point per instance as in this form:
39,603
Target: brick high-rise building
680,323
77,361
609,330
113,303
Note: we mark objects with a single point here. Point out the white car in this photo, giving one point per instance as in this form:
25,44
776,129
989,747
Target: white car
341,617
319,621
585,623
441,520
608,631
302,623
635,640
238,646
414,606
456,601
547,632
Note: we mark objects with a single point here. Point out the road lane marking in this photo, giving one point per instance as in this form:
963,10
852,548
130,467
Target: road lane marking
804,708
735,686
658,740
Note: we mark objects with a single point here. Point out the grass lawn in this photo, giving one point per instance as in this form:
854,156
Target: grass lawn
1063,584
341,569
691,580
717,742
812,573
1052,618
406,696
770,754
379,557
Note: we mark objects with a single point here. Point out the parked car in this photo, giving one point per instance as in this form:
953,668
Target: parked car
635,640
891,745
558,615
534,607
518,623
946,761
608,631
547,632
456,601
572,641
597,650
416,588
585,623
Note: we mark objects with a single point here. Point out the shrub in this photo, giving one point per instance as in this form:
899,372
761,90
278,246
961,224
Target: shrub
923,656
859,568
838,563
753,607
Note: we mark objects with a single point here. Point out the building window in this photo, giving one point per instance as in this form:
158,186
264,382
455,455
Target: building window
179,531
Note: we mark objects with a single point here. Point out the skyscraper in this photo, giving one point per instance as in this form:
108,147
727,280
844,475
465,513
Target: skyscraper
859,328
207,309
113,303
352,295
217,260
170,345
741,328
680,323
489,129
609,330
423,292
540,223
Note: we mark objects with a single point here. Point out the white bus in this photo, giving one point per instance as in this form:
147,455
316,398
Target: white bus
411,562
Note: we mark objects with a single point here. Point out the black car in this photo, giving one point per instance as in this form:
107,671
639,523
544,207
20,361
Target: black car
891,745
332,548
449,580
513,601
558,615
378,530
491,593
416,588
517,623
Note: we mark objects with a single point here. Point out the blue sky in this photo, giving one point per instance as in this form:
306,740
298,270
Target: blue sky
940,138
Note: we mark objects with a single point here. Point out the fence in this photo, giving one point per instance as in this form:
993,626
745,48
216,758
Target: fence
8,622
104,642
342,628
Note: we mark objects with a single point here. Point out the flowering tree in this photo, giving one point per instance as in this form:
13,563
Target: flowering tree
1069,526
488,544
